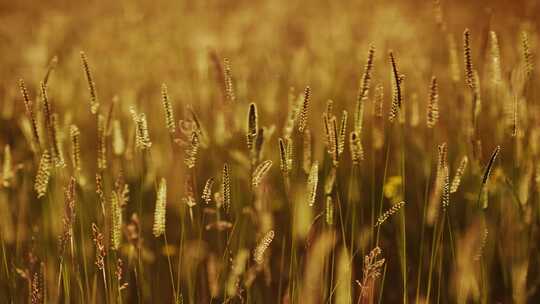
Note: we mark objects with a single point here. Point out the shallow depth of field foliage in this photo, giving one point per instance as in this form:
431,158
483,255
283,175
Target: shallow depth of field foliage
269,151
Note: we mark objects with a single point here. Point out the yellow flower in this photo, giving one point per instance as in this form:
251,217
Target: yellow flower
392,188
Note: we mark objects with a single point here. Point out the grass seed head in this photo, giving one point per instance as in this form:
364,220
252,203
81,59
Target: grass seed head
264,243
43,174
159,213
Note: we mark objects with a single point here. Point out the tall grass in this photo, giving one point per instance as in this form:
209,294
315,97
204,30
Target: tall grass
269,152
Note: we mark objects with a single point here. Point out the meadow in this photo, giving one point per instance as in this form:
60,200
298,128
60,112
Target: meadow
269,151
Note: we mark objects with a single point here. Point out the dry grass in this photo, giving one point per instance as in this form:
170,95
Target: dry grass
263,152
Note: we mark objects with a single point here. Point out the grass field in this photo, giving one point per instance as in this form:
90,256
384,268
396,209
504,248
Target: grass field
269,151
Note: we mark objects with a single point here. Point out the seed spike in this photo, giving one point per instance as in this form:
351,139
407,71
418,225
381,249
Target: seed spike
43,174
302,121
469,70
207,192
94,103
489,166
433,104
528,60
252,127
264,243
394,209
226,187
283,156
75,147
159,213
228,81
396,91
357,151
459,174
169,113
116,221
313,180
364,90
342,133
260,172
28,104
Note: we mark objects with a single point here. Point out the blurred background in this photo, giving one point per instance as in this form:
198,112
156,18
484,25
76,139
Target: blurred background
135,46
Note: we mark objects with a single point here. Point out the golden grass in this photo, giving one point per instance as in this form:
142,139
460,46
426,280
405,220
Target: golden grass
144,169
